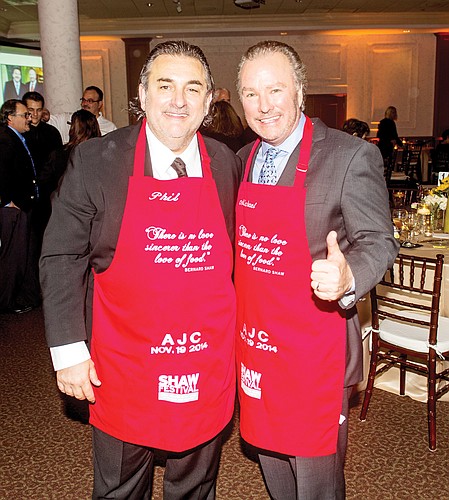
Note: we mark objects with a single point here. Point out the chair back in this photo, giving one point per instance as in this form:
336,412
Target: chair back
401,197
411,160
440,163
413,285
389,164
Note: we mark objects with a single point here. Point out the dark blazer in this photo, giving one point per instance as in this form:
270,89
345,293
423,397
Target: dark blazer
42,139
9,92
38,87
86,217
346,192
387,132
17,180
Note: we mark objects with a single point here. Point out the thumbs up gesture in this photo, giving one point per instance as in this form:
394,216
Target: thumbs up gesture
331,277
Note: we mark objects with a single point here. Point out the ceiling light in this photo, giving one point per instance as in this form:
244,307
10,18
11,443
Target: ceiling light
249,4
178,6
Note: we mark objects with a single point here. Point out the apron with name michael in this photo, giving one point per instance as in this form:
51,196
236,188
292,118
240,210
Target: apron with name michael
290,345
164,315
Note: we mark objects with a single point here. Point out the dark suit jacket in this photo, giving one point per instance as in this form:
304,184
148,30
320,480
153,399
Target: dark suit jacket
38,87
85,223
9,91
346,192
42,139
16,171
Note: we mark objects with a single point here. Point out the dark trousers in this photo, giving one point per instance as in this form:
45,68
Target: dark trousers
125,471
19,257
308,478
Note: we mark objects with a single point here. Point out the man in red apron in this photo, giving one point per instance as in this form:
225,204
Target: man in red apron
313,235
149,210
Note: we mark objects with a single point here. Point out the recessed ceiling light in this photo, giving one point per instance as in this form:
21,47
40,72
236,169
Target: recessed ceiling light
159,36
149,4
283,33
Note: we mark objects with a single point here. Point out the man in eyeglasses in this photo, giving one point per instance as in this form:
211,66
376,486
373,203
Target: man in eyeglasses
92,101
19,290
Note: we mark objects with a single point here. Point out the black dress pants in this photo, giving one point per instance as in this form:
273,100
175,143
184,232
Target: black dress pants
19,257
125,471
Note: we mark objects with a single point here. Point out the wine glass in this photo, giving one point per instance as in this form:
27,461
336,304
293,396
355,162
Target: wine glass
399,216
411,222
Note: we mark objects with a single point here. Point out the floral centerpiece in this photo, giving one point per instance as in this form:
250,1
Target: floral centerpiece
442,192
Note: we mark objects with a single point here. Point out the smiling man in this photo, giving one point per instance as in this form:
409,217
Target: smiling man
149,209
314,235
19,290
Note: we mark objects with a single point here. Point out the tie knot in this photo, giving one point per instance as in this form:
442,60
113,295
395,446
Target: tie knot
272,153
179,167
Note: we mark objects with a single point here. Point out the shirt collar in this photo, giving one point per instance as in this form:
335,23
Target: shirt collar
162,157
19,135
292,140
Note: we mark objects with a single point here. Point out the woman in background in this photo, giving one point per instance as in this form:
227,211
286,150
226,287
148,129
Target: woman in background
356,127
226,125
387,133
83,126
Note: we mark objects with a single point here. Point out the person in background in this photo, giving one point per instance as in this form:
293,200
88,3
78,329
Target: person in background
222,94
149,210
33,85
42,138
225,126
83,126
387,133
356,127
14,88
92,101
314,235
19,192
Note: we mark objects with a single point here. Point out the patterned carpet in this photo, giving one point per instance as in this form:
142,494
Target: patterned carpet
46,450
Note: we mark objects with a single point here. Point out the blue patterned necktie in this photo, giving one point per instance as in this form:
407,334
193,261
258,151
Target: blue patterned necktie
268,174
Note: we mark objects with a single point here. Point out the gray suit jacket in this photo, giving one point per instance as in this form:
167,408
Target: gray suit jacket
87,212
346,192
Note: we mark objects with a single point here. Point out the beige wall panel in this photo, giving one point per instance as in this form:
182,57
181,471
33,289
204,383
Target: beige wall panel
103,63
375,70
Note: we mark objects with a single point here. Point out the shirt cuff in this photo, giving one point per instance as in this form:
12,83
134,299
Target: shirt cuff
64,356
349,297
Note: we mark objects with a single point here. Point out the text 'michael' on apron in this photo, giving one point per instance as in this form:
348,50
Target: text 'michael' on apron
290,345
164,315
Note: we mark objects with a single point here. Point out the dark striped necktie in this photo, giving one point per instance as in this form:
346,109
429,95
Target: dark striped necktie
179,167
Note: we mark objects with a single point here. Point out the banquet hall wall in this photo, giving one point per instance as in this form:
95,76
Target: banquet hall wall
375,71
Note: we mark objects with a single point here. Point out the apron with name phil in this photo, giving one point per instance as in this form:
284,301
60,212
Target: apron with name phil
164,315
290,344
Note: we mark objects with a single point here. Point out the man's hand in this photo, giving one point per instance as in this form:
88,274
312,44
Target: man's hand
331,277
77,380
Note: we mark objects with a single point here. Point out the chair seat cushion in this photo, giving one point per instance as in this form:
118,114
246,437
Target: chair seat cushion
414,337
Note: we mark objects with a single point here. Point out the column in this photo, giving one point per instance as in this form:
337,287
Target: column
61,54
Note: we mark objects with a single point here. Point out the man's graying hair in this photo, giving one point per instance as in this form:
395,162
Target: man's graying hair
8,108
171,48
272,47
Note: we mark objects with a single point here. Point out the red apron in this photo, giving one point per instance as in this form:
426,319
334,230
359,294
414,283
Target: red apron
290,345
164,315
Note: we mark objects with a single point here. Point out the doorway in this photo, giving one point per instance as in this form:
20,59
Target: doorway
329,108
